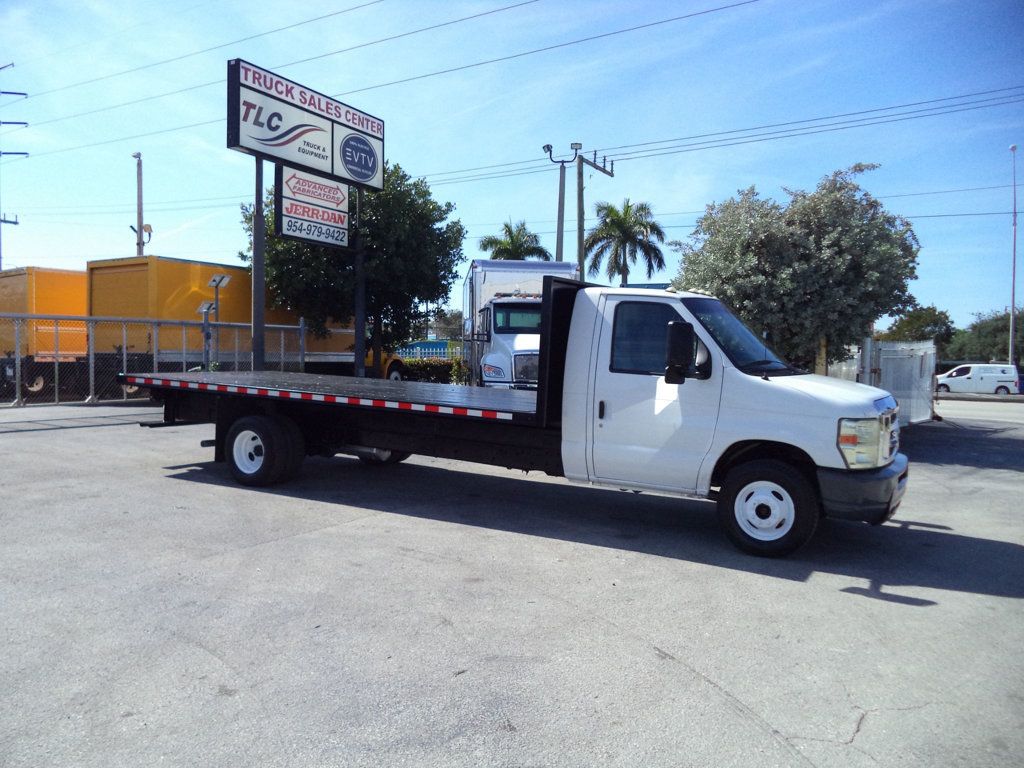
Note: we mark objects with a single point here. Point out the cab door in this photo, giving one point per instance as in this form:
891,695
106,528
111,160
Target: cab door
645,431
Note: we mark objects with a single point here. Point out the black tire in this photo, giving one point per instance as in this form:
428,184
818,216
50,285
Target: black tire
942,388
768,508
257,450
393,457
1002,390
296,450
395,372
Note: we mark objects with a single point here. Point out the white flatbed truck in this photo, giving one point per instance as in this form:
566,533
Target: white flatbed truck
638,389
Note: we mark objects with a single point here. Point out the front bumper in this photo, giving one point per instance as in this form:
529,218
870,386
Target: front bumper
871,496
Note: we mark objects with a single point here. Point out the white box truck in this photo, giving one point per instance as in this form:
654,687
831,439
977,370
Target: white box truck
501,312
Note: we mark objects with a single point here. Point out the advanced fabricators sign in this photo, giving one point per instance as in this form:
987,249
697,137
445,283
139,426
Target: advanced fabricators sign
275,119
309,207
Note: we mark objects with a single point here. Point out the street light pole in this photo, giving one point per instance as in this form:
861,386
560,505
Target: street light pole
575,147
138,202
1013,272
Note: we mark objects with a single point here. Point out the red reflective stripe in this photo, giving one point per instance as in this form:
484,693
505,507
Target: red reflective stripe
290,395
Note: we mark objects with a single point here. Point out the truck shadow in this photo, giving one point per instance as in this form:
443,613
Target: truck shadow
902,554
987,445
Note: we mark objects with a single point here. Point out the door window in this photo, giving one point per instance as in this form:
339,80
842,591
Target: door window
639,337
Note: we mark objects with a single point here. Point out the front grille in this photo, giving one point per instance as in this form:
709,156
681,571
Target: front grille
890,432
526,367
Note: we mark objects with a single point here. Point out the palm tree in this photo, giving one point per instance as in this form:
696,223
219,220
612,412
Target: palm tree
515,244
621,235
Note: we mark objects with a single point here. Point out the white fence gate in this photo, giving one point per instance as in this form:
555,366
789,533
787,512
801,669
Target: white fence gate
904,368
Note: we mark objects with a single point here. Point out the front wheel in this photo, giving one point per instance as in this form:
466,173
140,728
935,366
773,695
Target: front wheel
768,508
394,372
942,388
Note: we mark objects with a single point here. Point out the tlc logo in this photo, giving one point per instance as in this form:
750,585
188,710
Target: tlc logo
273,121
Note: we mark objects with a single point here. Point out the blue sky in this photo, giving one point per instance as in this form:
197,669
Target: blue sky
568,71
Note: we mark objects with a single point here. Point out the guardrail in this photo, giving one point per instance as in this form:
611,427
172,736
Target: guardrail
69,359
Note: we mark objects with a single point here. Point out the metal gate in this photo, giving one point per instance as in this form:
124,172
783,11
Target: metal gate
904,368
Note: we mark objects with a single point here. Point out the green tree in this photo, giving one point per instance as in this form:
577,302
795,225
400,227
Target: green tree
922,324
824,267
515,243
448,324
622,234
987,338
412,255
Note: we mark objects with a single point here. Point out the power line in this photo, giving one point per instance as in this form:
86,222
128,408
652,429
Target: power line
856,113
548,48
749,139
178,12
825,128
349,49
204,50
417,77
536,163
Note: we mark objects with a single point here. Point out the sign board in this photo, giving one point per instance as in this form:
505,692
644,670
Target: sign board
310,207
279,120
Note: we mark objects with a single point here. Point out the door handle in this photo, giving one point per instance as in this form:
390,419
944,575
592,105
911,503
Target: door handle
600,409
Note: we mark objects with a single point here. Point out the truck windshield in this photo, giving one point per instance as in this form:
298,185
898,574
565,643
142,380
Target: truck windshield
517,318
748,352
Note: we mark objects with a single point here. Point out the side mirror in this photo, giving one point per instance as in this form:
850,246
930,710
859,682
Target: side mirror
678,352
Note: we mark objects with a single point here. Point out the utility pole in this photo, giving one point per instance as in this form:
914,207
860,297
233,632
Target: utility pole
1013,272
3,217
138,203
575,147
580,162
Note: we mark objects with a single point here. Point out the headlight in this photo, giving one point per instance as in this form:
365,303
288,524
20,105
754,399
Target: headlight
493,372
861,443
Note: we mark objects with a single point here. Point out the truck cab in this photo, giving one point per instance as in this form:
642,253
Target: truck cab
512,344
675,394
502,309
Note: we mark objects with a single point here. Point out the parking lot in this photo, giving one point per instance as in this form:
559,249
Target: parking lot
438,614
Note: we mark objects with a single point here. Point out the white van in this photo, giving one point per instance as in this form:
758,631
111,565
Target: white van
998,378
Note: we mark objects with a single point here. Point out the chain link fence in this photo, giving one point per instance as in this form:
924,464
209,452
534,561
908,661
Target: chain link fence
60,359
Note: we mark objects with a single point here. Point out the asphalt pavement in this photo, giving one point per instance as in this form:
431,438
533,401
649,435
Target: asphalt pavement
435,613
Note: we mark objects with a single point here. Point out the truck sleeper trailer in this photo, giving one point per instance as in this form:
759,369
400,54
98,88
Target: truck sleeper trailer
637,389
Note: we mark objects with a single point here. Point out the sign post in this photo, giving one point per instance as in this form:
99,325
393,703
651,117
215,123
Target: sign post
320,146
310,207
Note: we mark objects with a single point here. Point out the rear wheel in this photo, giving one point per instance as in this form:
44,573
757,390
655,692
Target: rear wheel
942,388
296,447
257,450
1002,390
768,508
395,372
